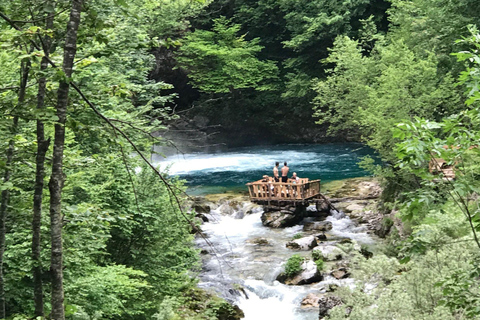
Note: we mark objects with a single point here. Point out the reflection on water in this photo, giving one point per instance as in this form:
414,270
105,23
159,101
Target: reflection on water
217,172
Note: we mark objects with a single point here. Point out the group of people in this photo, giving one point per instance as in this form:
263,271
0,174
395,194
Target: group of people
284,172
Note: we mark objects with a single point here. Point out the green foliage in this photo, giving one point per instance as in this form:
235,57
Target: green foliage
320,264
126,244
373,93
221,61
106,292
317,255
294,265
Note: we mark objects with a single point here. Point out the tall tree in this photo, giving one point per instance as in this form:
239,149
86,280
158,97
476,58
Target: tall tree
57,179
42,147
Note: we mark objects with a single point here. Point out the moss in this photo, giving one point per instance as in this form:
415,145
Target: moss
297,236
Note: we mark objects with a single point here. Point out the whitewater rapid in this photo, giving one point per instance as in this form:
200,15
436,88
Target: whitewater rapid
239,262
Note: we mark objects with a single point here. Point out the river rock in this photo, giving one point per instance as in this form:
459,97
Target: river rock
321,237
202,217
321,210
201,208
280,219
331,287
259,241
226,209
326,303
355,208
318,226
340,273
329,252
305,243
311,301
309,274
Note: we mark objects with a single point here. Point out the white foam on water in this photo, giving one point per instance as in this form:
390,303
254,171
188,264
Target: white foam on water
238,162
277,301
344,227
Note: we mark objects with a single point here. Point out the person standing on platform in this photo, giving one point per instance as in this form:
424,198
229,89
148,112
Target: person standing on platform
285,172
275,172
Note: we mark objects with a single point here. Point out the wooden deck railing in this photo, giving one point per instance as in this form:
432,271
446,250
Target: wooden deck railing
268,191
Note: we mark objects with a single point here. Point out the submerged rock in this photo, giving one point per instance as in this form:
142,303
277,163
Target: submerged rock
326,303
309,274
259,241
318,226
305,243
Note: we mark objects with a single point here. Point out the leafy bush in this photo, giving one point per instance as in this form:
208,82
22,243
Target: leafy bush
320,264
294,265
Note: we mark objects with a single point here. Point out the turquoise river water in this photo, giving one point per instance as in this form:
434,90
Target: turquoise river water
231,170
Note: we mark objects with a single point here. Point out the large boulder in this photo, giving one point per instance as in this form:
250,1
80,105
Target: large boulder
326,303
318,226
282,217
309,274
305,243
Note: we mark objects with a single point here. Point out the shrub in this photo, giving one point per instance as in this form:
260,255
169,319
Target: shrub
293,265
320,265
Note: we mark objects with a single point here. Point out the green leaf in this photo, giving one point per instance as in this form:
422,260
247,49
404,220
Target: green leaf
49,8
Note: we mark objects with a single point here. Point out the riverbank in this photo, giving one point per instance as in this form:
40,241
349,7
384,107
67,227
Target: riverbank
244,261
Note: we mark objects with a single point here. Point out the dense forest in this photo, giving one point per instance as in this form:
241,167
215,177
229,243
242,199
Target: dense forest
91,229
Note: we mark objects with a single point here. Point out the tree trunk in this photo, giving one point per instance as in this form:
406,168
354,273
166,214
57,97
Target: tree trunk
42,147
57,179
6,178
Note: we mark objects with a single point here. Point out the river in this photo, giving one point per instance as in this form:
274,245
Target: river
230,170
234,259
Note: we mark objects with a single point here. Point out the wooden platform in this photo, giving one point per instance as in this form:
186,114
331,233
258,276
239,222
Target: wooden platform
289,192
439,166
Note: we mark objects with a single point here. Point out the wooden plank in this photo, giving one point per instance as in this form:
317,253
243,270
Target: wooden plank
284,191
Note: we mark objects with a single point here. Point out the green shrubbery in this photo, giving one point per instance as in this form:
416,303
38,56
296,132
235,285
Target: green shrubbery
294,265
320,264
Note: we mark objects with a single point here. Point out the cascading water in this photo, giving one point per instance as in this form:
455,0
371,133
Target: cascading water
239,262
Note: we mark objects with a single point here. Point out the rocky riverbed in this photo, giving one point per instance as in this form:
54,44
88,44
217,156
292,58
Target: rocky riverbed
244,258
